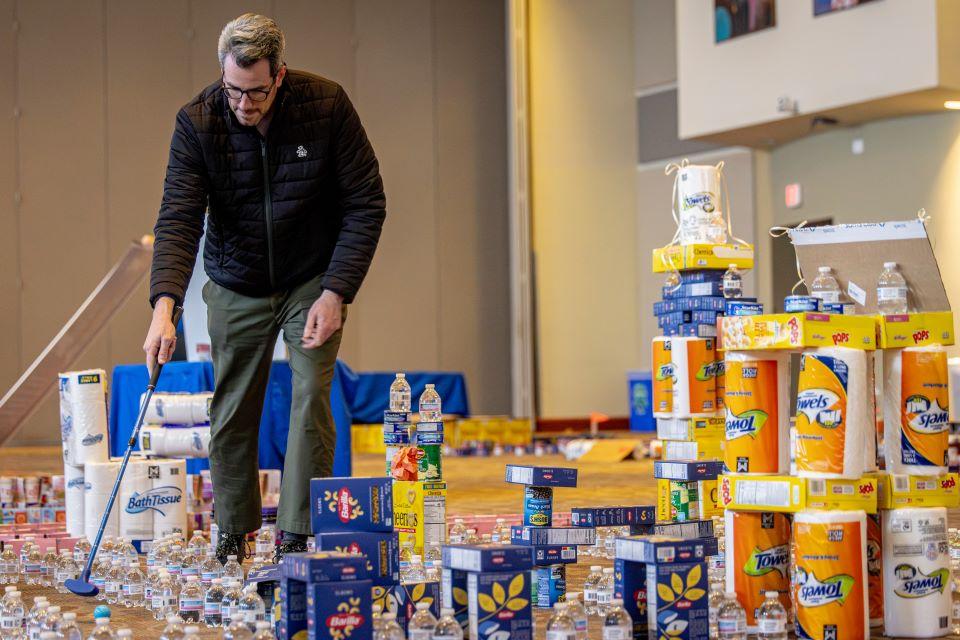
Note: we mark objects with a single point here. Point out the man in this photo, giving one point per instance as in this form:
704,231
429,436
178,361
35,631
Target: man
281,162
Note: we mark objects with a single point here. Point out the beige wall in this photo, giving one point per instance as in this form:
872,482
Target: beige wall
98,83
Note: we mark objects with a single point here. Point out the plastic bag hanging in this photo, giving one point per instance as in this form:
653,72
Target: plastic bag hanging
697,208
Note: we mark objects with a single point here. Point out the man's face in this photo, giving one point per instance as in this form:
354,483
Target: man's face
256,76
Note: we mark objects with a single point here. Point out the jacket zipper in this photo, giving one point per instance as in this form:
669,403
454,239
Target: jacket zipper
267,209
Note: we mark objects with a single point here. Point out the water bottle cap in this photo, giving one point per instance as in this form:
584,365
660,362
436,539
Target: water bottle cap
446,611
54,609
823,269
231,558
401,375
69,616
422,606
730,595
102,621
771,594
430,386
124,633
8,589
731,266
889,265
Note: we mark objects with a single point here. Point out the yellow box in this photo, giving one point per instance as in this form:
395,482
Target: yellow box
789,494
419,513
843,495
703,449
916,329
702,256
796,331
682,500
519,432
917,491
691,428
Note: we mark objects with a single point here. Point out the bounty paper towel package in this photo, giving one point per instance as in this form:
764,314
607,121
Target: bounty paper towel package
875,569
757,400
84,419
695,370
916,572
833,413
662,378
916,410
757,558
830,590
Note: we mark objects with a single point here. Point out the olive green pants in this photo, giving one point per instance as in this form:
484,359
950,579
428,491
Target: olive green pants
243,331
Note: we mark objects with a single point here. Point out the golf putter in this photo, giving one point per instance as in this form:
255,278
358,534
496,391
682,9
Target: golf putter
82,586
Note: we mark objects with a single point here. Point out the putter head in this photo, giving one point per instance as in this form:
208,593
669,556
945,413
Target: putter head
81,587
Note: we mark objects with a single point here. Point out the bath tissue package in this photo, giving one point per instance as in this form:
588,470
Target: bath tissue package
136,513
875,569
916,573
694,384
757,558
830,590
74,490
916,410
99,478
834,422
167,497
757,401
662,378
175,442
83,416
178,408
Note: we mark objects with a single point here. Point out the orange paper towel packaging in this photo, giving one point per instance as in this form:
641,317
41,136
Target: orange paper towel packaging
916,410
662,378
695,377
758,558
757,408
875,569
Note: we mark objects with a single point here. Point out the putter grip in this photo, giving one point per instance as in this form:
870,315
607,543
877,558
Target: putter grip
155,374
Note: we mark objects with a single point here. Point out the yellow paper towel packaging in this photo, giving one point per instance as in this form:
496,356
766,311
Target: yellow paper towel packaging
663,376
758,558
875,569
695,377
757,407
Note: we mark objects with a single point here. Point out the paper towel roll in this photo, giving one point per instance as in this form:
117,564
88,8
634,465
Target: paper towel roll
136,516
66,417
916,410
870,445
175,442
875,569
179,408
695,370
830,590
757,400
168,496
833,413
99,478
663,376
73,499
757,558
916,573
87,394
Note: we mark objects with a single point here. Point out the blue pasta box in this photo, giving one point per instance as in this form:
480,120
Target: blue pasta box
664,549
429,437
393,417
549,584
671,331
339,610
498,606
538,536
612,516
687,529
324,566
541,476
703,317
677,600
486,557
293,609
700,470
658,308
550,554
402,599
702,275
454,591
400,438
353,504
673,318
382,551
630,584
703,303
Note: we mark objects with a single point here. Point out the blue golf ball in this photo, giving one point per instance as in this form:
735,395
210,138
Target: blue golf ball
102,611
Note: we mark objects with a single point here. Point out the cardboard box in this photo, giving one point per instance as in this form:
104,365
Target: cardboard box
702,256
546,555
706,470
498,606
487,557
339,610
703,449
916,329
685,530
420,513
382,551
796,331
541,476
354,504
686,429
611,516
895,491
788,494
548,585
630,585
538,536
324,566
454,592
402,599
686,585
680,500
664,549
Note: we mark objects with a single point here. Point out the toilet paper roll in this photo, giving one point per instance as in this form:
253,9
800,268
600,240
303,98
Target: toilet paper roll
168,496
99,478
830,589
175,442
875,569
757,401
695,369
833,413
916,410
87,395
74,490
136,514
178,408
662,378
757,558
66,417
916,573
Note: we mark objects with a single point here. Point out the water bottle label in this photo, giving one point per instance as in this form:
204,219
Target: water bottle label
604,597
252,616
456,539
617,633
419,634
157,602
189,571
885,294
32,568
226,611
148,593
208,576
580,624
772,626
132,589
828,296
561,635
589,595
211,608
737,625
11,622
191,604
264,548
99,582
113,587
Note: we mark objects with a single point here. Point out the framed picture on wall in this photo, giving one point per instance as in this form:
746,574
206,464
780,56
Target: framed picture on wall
821,7
735,18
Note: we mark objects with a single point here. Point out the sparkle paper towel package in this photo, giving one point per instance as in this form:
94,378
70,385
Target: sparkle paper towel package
695,369
757,558
757,402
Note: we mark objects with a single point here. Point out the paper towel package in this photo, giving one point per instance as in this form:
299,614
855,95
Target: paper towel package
99,478
178,408
662,378
84,419
166,498
916,573
916,410
695,377
136,517
757,558
833,413
757,401
73,498
830,590
875,569
175,442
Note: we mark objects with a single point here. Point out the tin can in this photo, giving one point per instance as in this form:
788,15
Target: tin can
797,304
537,506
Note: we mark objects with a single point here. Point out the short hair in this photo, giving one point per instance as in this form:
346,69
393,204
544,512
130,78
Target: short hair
249,38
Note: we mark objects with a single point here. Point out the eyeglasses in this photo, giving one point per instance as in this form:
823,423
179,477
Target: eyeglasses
256,95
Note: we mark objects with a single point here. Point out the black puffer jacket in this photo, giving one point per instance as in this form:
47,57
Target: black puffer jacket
306,199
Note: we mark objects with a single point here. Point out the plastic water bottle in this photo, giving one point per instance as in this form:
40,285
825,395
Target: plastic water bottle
232,570
229,606
617,623
48,567
33,566
12,617
127,551
38,602
9,567
447,627
67,569
165,596
266,542
400,393
772,618
81,550
714,600
605,590
457,532
114,582
414,571
210,570
124,634
251,609
173,630
132,589
891,290
190,566
390,630
191,632
191,600
198,544
577,613
429,406
36,620
590,586
68,627
422,623
212,601
732,283
52,623
237,631
731,619
264,631
102,630
825,286
560,626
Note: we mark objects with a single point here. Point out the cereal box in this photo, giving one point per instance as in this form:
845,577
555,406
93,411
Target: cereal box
420,513
354,504
680,500
380,549
498,606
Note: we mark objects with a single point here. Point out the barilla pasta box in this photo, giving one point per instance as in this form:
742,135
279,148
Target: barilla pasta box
539,536
486,557
677,600
382,551
548,585
324,566
337,611
498,606
402,599
682,500
664,549
705,470
757,558
419,510
630,584
541,476
611,516
550,554
686,429
454,593
689,529
355,504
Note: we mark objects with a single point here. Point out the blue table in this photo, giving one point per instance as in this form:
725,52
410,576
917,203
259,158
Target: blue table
354,398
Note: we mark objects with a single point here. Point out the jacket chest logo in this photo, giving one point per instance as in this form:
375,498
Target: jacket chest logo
301,152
